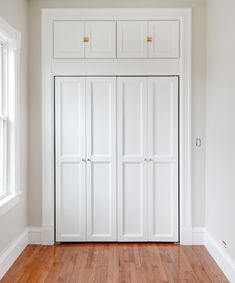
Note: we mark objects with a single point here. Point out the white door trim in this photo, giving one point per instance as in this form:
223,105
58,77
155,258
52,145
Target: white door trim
184,72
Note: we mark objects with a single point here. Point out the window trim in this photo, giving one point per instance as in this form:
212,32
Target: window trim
12,39
3,114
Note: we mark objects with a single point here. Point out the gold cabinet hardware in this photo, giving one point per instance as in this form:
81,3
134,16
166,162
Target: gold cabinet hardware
148,159
85,39
149,39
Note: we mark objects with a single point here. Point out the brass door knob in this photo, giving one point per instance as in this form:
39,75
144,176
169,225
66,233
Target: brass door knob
149,39
86,39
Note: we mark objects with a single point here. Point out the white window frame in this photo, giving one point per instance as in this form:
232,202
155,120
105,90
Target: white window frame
10,38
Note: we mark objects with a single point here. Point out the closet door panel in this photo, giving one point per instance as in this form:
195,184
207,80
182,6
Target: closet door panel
131,39
101,159
166,39
163,150
132,186
70,150
68,39
101,39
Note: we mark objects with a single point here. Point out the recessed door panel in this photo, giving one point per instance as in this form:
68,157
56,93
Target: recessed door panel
132,185
132,39
70,151
133,190
101,36
162,201
70,181
163,152
101,159
68,39
165,39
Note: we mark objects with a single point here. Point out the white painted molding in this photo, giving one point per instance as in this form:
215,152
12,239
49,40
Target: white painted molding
9,34
9,202
31,236
48,71
219,254
198,235
34,236
47,235
9,255
186,233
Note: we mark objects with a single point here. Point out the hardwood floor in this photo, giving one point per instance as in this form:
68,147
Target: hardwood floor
122,263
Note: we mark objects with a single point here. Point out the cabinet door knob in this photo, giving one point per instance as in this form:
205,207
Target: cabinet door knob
83,160
149,39
86,39
88,159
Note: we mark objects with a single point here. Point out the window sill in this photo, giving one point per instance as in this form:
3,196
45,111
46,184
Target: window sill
9,202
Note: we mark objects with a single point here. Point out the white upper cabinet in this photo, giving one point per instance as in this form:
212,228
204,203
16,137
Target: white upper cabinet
164,39
68,39
101,39
131,39
153,39
75,39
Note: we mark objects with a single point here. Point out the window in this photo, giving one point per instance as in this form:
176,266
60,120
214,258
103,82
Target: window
9,161
3,119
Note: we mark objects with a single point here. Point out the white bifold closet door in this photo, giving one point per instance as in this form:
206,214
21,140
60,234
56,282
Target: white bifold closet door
70,153
85,126
163,164
132,148
133,198
101,158
148,159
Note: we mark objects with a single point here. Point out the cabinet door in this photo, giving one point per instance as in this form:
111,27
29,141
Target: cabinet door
163,150
165,39
70,168
101,159
101,39
68,39
132,137
132,39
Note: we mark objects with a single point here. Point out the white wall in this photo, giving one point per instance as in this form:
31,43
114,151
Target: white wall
14,222
199,69
220,126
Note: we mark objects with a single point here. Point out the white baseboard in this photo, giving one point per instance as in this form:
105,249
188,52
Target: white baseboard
198,235
202,237
47,235
30,236
224,261
8,256
34,235
186,235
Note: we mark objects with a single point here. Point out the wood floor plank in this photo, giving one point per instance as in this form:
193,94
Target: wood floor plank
115,263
